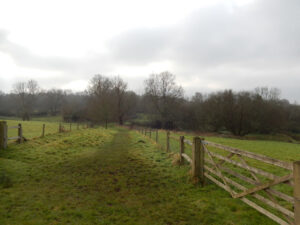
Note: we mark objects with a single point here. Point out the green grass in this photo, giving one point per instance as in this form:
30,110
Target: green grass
33,129
114,176
39,118
48,118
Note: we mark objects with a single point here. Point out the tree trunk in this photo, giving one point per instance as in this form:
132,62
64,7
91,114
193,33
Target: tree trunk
120,120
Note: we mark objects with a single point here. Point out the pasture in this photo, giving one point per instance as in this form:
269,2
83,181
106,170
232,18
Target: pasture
115,176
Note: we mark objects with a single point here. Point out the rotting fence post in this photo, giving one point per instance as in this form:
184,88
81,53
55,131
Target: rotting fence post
168,141
3,135
43,131
296,172
198,161
181,148
20,133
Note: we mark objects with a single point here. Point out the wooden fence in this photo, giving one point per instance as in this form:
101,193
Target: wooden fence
245,175
20,138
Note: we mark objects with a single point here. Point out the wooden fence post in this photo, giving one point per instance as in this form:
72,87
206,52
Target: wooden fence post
156,136
20,133
3,135
198,161
168,141
181,148
296,172
43,131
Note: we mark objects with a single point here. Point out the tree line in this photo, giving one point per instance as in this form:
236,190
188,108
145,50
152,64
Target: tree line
162,105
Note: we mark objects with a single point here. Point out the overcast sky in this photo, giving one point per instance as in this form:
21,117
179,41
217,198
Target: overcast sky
209,45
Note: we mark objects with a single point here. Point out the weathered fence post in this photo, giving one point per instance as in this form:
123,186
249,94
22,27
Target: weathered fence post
168,141
3,135
198,161
181,148
296,171
156,136
43,131
20,133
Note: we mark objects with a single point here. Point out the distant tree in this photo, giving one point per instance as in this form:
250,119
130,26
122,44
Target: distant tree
74,106
165,96
119,88
55,99
26,93
267,93
100,102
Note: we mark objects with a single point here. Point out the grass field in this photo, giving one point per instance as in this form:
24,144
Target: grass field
114,176
33,129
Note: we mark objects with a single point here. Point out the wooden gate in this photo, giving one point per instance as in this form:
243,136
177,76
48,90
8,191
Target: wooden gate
270,186
234,174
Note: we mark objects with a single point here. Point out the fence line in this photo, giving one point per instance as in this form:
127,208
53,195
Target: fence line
20,137
230,169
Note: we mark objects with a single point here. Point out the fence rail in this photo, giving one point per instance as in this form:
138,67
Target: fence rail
245,175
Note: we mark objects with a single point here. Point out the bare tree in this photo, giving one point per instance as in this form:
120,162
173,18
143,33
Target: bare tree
55,98
100,104
268,93
26,94
165,95
119,88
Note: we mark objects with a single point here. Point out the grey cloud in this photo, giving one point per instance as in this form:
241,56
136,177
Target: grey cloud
75,66
267,31
239,48
141,46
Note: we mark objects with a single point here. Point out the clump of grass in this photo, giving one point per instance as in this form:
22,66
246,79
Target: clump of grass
5,181
176,160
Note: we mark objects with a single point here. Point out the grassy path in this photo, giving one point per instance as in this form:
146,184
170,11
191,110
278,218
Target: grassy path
107,177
